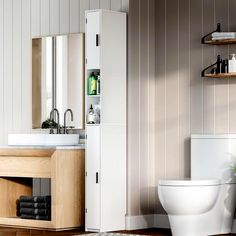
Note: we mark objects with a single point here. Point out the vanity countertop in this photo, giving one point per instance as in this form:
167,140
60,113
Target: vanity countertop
71,147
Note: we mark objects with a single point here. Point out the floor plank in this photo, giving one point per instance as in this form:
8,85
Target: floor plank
27,232
158,232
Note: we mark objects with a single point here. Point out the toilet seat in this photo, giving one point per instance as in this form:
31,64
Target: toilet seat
176,183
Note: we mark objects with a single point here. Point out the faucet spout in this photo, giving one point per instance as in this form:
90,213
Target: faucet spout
71,115
58,118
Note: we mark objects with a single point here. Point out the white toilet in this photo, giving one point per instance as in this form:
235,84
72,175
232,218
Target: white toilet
205,204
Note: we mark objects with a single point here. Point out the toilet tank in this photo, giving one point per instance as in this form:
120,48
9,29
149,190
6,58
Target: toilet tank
213,157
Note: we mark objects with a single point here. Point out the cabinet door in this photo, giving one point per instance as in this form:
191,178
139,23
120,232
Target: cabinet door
113,175
93,178
93,40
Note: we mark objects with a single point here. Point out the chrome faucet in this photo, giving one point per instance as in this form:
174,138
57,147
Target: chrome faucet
71,115
58,118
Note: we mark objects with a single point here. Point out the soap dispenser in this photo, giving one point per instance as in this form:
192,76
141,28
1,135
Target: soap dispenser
232,64
91,115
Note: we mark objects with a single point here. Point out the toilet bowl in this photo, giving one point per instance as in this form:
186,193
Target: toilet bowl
204,206
186,202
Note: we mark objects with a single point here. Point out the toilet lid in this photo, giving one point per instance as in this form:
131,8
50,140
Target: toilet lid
207,182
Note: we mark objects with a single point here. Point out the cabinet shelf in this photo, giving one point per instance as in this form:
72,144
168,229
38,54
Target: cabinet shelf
94,96
92,124
221,75
18,222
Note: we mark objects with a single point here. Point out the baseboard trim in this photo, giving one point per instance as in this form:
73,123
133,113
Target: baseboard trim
147,221
139,222
154,221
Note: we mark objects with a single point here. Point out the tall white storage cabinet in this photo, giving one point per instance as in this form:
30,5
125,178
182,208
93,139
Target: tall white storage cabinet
105,195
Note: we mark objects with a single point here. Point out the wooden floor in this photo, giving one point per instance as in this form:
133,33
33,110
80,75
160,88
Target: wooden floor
27,232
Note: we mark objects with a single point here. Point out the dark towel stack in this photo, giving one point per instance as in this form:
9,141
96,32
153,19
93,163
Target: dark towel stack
34,207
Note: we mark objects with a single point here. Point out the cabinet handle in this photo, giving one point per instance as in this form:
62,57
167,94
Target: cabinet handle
97,40
96,177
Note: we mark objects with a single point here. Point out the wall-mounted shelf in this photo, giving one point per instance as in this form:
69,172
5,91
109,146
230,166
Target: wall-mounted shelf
221,75
221,42
204,39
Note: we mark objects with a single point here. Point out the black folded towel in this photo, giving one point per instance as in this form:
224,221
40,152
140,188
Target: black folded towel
35,211
42,199
35,217
38,205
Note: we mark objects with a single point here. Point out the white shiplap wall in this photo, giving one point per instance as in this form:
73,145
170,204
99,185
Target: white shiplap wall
20,20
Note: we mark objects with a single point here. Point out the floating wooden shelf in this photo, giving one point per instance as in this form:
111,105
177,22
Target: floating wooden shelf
221,42
204,39
222,75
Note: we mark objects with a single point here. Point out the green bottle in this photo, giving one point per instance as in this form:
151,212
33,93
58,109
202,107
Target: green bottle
92,84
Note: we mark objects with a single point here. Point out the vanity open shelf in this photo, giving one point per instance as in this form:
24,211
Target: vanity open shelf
65,168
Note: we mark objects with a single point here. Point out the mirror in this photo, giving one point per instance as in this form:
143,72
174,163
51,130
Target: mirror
58,78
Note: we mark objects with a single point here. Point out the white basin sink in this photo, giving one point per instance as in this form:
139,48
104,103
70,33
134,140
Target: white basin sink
43,139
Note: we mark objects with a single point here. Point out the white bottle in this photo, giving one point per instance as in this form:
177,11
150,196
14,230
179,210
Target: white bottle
232,64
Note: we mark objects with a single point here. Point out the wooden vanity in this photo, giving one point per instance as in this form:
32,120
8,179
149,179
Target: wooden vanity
65,168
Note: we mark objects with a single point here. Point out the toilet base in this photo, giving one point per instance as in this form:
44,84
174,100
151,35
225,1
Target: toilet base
186,225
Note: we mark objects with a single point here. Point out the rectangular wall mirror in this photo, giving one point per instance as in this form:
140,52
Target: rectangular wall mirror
58,78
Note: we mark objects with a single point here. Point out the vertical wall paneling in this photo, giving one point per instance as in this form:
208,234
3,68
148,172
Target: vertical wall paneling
143,103
105,4
133,111
94,4
151,106
172,88
116,5
16,66
160,86
84,5
125,5
184,88
184,102
221,86
1,67
74,16
36,17
45,15
8,93
208,58
196,66
64,16
26,67
54,17
232,82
